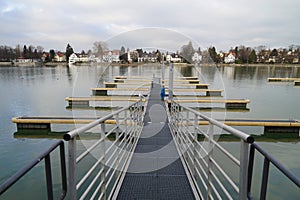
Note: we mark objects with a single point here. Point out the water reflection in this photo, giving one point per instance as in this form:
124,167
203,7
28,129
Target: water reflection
39,91
259,72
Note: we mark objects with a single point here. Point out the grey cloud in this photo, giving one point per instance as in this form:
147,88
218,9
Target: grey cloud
220,23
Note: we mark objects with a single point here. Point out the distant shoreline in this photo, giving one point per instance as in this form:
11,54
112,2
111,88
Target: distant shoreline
259,65
7,64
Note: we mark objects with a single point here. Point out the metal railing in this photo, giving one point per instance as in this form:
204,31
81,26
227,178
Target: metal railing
44,156
209,175
109,154
265,171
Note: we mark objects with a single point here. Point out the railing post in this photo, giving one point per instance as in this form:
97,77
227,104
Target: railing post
63,169
103,187
244,159
72,168
117,124
163,72
209,163
171,72
195,143
125,117
48,176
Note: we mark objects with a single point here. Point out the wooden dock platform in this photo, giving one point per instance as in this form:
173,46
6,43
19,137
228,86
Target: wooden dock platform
44,122
183,81
283,79
115,85
270,125
195,92
104,91
132,80
85,101
133,77
229,103
188,85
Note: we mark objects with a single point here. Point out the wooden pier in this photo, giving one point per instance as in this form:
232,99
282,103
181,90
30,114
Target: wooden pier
283,79
270,125
115,85
191,81
229,103
85,101
197,92
104,91
189,85
44,123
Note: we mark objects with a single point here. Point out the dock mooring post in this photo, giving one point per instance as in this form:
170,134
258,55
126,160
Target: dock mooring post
171,75
163,72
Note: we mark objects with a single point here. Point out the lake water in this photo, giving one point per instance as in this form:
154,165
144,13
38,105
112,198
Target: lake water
41,91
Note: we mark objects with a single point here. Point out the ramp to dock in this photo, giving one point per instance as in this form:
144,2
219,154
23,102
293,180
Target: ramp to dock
156,170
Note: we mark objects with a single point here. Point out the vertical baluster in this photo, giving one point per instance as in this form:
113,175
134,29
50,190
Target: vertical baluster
210,164
195,144
103,187
48,176
265,176
244,159
72,168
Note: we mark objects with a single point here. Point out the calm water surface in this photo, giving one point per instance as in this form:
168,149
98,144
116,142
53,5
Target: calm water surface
40,91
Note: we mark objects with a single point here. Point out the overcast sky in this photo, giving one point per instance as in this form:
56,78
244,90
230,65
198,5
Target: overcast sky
220,23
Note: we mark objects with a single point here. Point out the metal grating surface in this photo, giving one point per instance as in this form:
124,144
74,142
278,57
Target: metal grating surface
155,150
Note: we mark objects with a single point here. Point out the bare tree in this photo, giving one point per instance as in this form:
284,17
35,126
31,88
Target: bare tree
187,52
99,48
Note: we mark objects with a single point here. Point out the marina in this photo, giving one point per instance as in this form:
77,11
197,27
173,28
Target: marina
114,122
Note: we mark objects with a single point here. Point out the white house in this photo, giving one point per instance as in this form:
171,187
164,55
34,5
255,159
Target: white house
73,58
111,56
229,58
173,58
196,57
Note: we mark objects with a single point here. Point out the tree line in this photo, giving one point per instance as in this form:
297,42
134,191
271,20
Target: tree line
260,54
242,54
8,53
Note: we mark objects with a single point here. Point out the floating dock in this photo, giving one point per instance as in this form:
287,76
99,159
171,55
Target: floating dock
104,91
192,81
189,85
196,92
44,123
270,125
85,101
283,79
115,85
132,80
229,103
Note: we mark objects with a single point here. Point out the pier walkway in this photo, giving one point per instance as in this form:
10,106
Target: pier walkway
155,171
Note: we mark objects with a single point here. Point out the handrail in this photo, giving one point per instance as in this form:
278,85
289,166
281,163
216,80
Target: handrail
200,162
207,174
105,172
246,137
68,136
267,159
45,155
